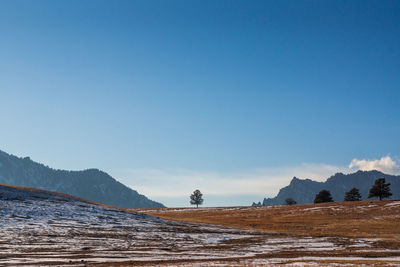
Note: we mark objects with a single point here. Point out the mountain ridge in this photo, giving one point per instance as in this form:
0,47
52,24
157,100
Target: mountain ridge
303,191
92,184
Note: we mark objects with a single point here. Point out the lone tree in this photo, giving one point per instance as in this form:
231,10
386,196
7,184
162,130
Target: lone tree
352,195
380,189
290,201
196,198
323,196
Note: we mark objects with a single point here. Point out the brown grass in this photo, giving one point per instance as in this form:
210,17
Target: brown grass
362,219
343,224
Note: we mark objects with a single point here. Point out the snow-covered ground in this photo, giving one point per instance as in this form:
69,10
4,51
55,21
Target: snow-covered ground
42,229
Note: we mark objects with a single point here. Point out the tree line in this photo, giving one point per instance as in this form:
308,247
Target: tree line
380,189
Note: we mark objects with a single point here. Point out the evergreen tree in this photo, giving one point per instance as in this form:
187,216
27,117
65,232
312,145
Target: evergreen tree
290,201
323,196
352,195
380,189
196,198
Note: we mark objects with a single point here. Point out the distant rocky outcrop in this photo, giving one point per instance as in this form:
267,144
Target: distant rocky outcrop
256,204
304,191
91,184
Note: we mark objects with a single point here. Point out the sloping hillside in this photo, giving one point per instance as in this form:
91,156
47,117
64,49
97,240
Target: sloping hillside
89,184
42,228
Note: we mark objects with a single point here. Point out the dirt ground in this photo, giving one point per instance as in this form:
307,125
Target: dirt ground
363,232
39,228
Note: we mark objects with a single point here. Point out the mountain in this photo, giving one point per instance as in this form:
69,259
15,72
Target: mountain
91,184
304,191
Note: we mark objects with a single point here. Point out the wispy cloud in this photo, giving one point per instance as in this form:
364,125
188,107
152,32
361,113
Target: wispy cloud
178,183
384,164
173,186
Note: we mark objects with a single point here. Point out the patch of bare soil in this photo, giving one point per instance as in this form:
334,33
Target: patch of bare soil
42,229
364,232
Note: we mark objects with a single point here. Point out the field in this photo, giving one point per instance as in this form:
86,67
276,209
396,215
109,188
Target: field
361,219
364,232
41,228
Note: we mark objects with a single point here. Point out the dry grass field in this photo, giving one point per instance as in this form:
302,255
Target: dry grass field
361,219
359,233
42,228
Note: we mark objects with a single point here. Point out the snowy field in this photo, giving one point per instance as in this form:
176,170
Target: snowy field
39,229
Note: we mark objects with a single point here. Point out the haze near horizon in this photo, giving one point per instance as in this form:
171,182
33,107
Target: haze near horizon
231,97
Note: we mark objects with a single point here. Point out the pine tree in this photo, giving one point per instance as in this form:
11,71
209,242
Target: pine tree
352,195
290,201
323,196
380,189
196,198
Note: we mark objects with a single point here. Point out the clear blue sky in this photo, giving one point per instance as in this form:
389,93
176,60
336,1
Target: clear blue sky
203,86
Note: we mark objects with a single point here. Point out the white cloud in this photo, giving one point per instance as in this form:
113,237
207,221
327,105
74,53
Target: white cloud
173,186
178,183
384,164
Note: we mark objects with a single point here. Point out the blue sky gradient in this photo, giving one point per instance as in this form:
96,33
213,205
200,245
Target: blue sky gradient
213,86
